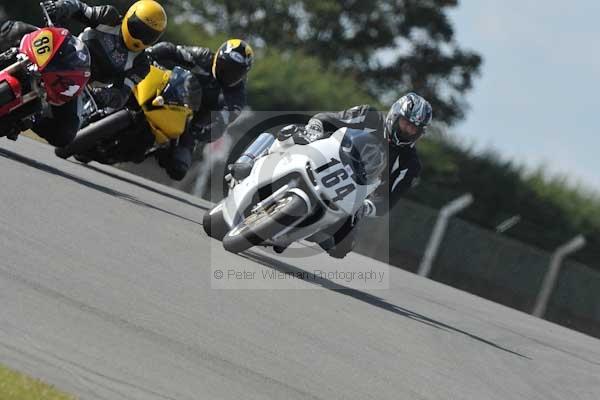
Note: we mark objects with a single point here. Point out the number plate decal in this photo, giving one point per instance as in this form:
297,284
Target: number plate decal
337,180
43,46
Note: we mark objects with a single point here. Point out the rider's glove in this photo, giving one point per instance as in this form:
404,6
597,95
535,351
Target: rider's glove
311,132
58,10
51,9
314,130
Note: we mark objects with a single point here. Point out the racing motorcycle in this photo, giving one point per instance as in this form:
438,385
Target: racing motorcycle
298,188
159,105
50,67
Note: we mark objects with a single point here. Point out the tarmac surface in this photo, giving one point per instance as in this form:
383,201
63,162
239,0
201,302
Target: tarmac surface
109,290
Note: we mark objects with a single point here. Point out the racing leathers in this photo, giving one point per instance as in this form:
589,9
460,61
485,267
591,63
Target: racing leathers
403,169
59,124
115,68
216,106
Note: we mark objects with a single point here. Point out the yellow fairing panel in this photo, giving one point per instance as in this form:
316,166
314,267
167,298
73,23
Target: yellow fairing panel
168,122
153,83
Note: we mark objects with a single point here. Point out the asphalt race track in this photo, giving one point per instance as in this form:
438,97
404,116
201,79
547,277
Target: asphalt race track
105,292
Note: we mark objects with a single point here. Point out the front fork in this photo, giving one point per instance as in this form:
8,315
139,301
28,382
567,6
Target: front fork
242,167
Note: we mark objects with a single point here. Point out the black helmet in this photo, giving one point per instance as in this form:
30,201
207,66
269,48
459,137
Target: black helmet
411,111
232,62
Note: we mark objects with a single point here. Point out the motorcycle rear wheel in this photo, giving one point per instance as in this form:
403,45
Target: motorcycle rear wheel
92,134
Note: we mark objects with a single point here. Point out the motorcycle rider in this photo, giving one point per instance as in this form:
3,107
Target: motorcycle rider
400,129
116,45
220,85
60,123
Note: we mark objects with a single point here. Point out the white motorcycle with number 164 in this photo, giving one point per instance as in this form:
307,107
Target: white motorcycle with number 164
298,188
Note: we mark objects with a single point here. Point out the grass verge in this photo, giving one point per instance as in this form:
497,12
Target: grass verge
32,135
16,386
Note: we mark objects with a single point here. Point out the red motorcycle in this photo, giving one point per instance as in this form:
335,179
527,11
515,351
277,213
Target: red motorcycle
50,68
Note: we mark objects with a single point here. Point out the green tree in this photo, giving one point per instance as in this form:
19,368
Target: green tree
284,80
389,46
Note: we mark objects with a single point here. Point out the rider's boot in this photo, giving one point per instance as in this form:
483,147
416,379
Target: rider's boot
280,249
342,241
338,250
82,159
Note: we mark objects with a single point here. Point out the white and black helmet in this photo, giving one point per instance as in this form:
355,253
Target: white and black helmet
414,109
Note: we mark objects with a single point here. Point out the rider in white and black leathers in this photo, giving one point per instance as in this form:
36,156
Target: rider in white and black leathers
404,124
404,164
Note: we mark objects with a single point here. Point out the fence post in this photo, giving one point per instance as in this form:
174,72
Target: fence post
509,223
450,209
552,275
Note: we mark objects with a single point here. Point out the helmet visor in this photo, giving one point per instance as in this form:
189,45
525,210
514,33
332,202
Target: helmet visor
142,32
406,132
229,72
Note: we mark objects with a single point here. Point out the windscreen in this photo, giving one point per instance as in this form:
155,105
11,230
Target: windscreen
364,153
177,91
73,55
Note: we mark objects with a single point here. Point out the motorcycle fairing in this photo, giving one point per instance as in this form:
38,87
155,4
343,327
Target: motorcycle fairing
328,179
167,121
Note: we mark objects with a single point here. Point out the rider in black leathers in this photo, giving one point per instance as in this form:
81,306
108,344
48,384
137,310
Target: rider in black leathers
220,86
116,46
404,164
404,124
116,43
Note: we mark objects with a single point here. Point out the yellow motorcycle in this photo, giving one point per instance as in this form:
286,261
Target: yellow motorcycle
156,116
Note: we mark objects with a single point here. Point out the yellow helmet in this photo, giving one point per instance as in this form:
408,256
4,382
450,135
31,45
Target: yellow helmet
143,25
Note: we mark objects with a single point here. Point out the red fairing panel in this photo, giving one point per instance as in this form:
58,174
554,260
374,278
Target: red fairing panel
15,86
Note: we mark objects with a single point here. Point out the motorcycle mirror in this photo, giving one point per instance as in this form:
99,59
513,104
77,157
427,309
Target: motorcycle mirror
159,101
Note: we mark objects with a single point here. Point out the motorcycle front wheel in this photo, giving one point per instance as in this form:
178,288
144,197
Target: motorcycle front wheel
264,224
